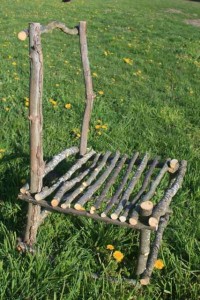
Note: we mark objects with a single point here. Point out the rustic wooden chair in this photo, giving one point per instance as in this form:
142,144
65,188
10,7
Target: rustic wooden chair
88,188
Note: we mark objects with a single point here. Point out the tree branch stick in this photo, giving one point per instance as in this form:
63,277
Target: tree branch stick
66,186
125,198
47,191
145,183
162,206
145,278
134,215
110,182
68,200
72,211
88,87
88,195
114,200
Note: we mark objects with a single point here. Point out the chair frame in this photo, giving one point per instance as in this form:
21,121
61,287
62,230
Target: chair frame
149,218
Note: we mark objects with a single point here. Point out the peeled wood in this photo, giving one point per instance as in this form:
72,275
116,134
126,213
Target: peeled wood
114,200
47,191
88,87
162,206
144,249
173,166
110,182
22,35
68,200
145,183
125,198
69,184
145,278
88,195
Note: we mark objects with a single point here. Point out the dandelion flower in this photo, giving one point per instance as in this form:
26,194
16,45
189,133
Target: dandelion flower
104,126
68,105
14,63
7,108
97,126
128,61
94,74
53,102
118,256
159,264
2,150
100,92
110,247
57,84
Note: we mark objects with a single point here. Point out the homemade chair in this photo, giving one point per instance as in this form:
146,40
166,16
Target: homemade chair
88,188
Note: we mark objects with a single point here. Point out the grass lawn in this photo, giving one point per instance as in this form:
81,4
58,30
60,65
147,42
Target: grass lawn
149,101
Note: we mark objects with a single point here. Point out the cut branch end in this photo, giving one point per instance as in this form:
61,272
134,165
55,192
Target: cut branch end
22,35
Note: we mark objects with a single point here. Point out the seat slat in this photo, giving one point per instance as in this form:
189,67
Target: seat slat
87,196
125,198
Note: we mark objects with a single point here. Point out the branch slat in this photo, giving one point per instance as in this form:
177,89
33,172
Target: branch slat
68,200
109,184
114,199
125,198
47,191
88,195
66,186
135,215
145,183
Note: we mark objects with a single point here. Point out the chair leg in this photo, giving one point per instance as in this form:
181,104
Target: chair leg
33,222
145,278
144,249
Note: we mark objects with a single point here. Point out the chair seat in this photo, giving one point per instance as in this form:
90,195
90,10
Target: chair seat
129,191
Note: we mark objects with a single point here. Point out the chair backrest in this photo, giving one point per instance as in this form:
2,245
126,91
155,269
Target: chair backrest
36,88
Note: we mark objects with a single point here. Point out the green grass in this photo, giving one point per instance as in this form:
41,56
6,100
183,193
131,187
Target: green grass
156,109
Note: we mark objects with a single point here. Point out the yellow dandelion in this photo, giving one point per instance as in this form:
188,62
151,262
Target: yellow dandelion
100,92
118,256
7,108
26,99
159,264
97,126
66,62
99,133
94,74
128,61
3,99
26,103
57,84
104,126
53,102
2,150
110,247
14,63
106,53
68,105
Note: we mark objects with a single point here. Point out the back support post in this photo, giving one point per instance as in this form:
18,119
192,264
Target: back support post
36,119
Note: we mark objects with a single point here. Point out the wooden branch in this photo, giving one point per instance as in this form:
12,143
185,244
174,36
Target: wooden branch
173,166
114,200
59,25
24,189
125,198
68,200
162,206
58,158
145,278
88,195
66,186
144,249
47,191
145,183
22,35
135,215
88,87
43,203
110,182
35,117
36,121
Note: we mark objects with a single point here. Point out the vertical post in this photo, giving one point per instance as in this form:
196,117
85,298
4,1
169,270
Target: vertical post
145,238
88,87
36,121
